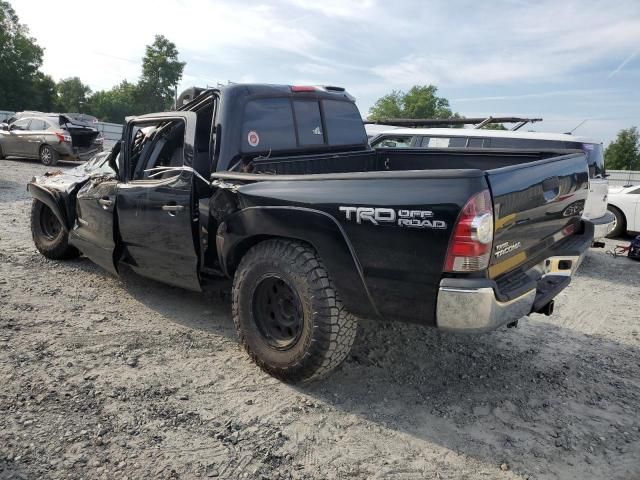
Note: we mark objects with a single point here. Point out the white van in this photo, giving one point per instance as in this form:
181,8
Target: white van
595,208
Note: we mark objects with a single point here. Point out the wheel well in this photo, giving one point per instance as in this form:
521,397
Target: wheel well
240,250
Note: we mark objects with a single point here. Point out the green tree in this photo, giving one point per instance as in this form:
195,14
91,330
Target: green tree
20,59
624,152
73,95
421,101
161,72
115,104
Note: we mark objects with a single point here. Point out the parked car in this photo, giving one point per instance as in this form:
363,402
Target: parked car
595,207
624,204
278,188
49,138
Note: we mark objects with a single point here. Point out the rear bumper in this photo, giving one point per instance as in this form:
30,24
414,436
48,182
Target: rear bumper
478,305
603,225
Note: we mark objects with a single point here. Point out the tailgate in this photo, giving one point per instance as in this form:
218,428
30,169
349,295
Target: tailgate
534,203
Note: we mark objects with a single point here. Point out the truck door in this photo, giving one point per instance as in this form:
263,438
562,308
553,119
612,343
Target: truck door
93,232
157,218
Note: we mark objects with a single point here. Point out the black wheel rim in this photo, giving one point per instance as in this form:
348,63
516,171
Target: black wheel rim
46,155
49,224
277,312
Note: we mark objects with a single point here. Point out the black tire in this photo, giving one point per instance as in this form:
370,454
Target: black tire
309,332
48,156
2,156
49,235
621,222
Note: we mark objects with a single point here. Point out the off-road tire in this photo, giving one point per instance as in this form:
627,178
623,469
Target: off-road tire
327,330
48,156
621,222
53,245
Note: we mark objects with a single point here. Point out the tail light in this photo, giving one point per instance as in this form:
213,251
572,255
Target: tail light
62,137
470,245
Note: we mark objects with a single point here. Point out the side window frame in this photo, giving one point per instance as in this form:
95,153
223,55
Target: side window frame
26,128
188,118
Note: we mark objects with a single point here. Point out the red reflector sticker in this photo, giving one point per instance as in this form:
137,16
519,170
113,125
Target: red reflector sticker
253,138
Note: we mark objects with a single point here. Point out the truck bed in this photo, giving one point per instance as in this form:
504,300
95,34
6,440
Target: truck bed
537,200
402,159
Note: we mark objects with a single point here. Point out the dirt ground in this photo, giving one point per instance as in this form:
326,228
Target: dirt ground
104,377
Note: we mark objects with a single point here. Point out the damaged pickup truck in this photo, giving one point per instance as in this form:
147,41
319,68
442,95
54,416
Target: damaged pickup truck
277,188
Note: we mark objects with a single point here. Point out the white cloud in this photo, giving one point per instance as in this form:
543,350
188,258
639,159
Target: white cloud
336,8
97,40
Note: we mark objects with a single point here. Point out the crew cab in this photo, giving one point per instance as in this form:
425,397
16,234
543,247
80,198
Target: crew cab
595,207
277,188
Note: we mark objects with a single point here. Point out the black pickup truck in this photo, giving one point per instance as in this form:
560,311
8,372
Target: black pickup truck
277,188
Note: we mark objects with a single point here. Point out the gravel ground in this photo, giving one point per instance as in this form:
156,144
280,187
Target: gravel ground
105,377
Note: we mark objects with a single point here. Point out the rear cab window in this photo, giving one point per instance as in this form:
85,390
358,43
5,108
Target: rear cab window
285,124
268,125
344,124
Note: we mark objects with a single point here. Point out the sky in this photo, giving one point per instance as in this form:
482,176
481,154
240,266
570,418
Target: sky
565,61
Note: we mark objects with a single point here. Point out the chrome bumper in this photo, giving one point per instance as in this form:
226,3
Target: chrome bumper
475,309
603,225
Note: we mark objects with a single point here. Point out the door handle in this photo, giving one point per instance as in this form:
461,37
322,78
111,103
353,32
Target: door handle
173,208
105,202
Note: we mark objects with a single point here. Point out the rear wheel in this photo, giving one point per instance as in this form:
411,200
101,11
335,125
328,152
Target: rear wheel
619,224
48,156
287,313
50,237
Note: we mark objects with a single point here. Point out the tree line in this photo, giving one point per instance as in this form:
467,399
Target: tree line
24,87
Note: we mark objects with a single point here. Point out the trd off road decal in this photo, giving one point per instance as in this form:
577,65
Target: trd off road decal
389,216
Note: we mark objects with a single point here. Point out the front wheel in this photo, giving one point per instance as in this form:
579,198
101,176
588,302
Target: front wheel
287,313
50,237
48,156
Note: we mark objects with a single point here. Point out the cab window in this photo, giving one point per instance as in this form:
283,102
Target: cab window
153,145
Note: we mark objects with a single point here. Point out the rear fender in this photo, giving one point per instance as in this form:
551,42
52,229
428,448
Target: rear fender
243,229
53,200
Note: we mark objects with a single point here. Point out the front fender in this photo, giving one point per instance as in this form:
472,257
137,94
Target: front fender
51,199
247,227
